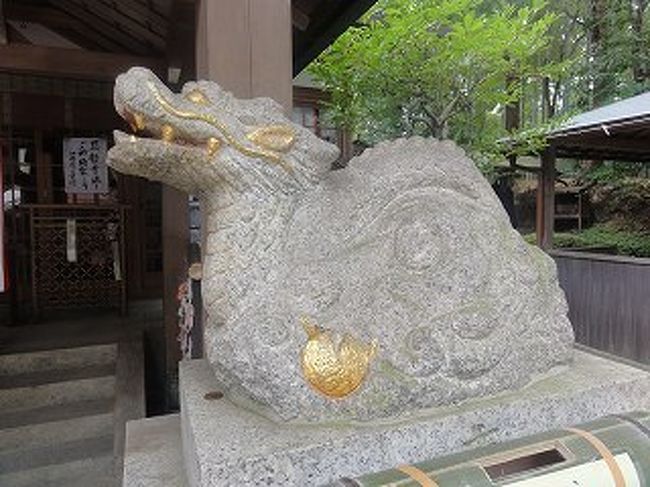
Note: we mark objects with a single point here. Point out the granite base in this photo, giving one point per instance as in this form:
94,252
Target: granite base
224,444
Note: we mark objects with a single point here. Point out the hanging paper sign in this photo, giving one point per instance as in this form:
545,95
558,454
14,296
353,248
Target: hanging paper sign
84,165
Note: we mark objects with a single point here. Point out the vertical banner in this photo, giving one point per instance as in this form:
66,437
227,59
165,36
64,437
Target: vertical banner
84,165
4,280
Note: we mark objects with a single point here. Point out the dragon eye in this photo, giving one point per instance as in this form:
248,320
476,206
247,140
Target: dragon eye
278,138
197,97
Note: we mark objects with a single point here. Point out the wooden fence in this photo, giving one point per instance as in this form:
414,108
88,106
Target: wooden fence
609,301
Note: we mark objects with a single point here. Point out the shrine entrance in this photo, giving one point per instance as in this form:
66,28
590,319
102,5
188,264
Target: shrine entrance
79,237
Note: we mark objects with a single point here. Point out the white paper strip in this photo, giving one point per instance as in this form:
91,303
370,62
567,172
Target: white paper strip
117,266
71,240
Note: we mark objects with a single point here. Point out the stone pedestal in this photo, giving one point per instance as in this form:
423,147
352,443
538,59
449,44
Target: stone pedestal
223,444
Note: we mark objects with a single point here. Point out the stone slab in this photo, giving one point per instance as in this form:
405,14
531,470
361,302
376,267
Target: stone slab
153,455
224,444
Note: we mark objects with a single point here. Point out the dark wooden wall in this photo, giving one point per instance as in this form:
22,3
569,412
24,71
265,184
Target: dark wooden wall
609,301
38,112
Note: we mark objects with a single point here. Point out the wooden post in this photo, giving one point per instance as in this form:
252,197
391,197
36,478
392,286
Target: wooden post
246,47
175,238
546,199
3,24
43,163
175,215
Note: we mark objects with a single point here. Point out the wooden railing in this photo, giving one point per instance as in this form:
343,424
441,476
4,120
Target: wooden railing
609,301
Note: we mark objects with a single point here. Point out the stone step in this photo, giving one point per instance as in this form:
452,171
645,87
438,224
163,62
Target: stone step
96,471
52,376
52,432
58,359
62,452
47,414
97,387
154,455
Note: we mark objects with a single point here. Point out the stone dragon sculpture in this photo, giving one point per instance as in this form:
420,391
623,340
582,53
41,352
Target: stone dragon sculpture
403,268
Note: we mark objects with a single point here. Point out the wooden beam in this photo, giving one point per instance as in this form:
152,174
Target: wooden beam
128,42
639,143
62,23
3,24
14,36
546,199
137,30
71,62
139,12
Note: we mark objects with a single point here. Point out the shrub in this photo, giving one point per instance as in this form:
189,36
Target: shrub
607,237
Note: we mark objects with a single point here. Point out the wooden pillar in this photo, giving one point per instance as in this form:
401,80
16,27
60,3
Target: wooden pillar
546,199
175,208
175,240
3,24
245,46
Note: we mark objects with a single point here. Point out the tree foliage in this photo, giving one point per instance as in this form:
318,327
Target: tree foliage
438,68
478,70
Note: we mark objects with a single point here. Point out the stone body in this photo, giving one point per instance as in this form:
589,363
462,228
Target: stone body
408,246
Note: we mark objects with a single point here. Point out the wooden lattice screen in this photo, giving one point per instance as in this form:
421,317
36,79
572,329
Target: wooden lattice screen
87,273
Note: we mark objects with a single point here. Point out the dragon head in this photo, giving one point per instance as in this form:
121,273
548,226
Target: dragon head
204,138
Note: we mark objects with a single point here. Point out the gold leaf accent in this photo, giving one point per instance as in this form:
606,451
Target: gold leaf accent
334,371
213,144
279,138
211,120
136,120
167,133
197,97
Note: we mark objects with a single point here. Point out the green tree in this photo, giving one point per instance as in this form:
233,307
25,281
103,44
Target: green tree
441,68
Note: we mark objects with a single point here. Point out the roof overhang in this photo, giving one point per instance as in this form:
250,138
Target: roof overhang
620,140
619,131
158,31
327,20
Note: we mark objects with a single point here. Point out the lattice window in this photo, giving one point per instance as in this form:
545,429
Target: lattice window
96,277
